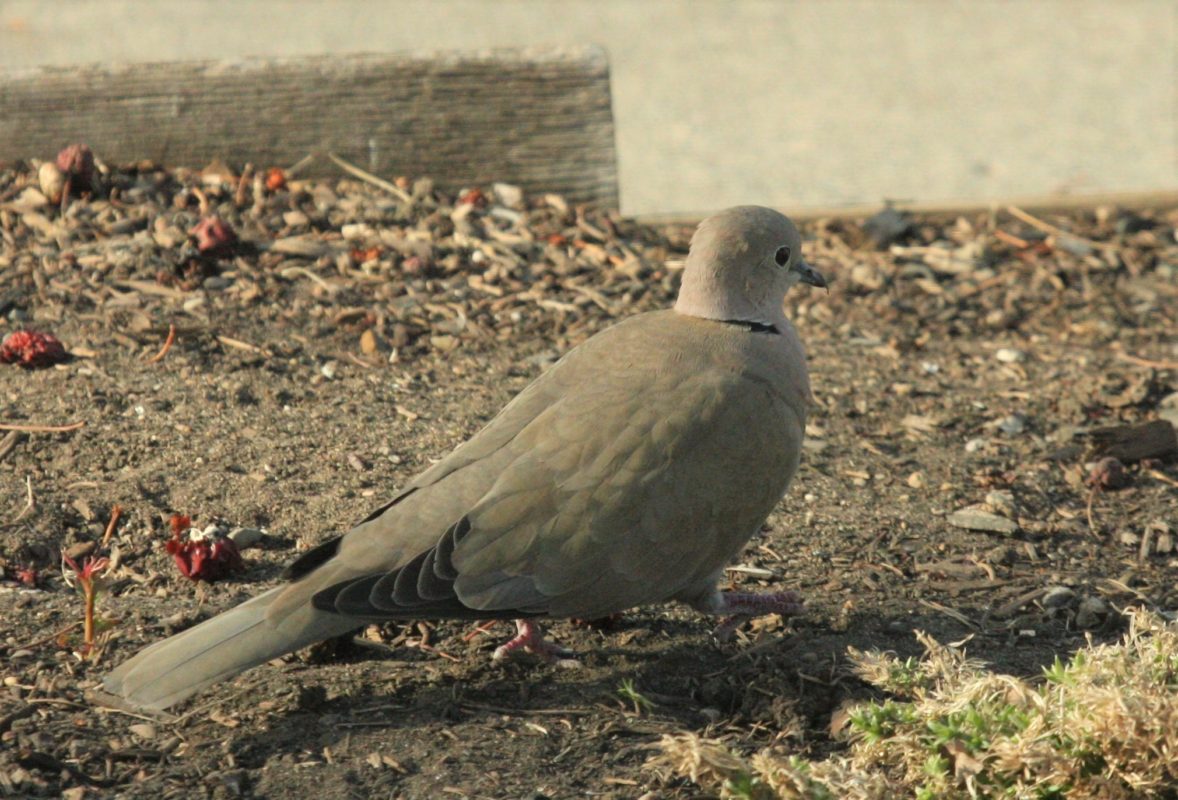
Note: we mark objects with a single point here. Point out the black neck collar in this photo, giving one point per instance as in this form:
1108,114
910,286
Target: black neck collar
752,327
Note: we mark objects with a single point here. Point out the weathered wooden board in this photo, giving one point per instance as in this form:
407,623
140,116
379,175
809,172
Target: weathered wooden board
539,118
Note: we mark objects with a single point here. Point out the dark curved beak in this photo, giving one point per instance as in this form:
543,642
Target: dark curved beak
810,275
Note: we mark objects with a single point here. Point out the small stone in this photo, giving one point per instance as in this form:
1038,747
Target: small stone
1002,502
1129,539
143,730
1058,597
357,231
296,219
80,550
246,537
1091,613
445,343
867,276
974,445
52,181
328,370
1013,425
1008,355
974,519
917,480
368,342
508,195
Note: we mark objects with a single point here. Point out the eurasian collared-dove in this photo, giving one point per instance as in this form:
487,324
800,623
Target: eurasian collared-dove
629,473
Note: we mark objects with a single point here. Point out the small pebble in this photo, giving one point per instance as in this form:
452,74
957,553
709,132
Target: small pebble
1058,597
52,181
444,343
143,730
1013,425
328,370
80,550
1008,355
508,195
974,519
974,445
710,714
246,537
1092,612
295,219
1002,502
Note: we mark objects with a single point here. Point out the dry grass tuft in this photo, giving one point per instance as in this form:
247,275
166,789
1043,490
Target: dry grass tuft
1103,724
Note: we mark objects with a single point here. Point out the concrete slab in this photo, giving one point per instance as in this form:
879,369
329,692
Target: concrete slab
814,102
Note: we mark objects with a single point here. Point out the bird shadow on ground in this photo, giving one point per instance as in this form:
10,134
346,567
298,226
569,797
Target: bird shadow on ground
650,675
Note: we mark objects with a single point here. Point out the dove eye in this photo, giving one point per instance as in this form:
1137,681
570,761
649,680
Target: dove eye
782,255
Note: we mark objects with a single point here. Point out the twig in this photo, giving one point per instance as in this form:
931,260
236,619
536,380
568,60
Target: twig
287,272
355,359
1091,498
167,346
240,345
1161,476
30,504
479,630
115,513
427,648
299,165
950,612
243,184
1011,239
1048,228
539,712
202,199
1145,362
355,171
52,637
13,426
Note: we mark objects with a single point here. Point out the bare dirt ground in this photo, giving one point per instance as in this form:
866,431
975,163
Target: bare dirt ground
351,336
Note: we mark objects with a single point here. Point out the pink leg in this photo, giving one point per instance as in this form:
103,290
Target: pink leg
738,606
530,639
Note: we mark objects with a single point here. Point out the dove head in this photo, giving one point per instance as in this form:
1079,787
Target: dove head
742,262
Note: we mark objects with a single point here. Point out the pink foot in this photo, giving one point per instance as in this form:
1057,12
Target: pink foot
530,639
739,606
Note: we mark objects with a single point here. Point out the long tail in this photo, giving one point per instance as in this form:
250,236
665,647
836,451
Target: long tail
170,671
